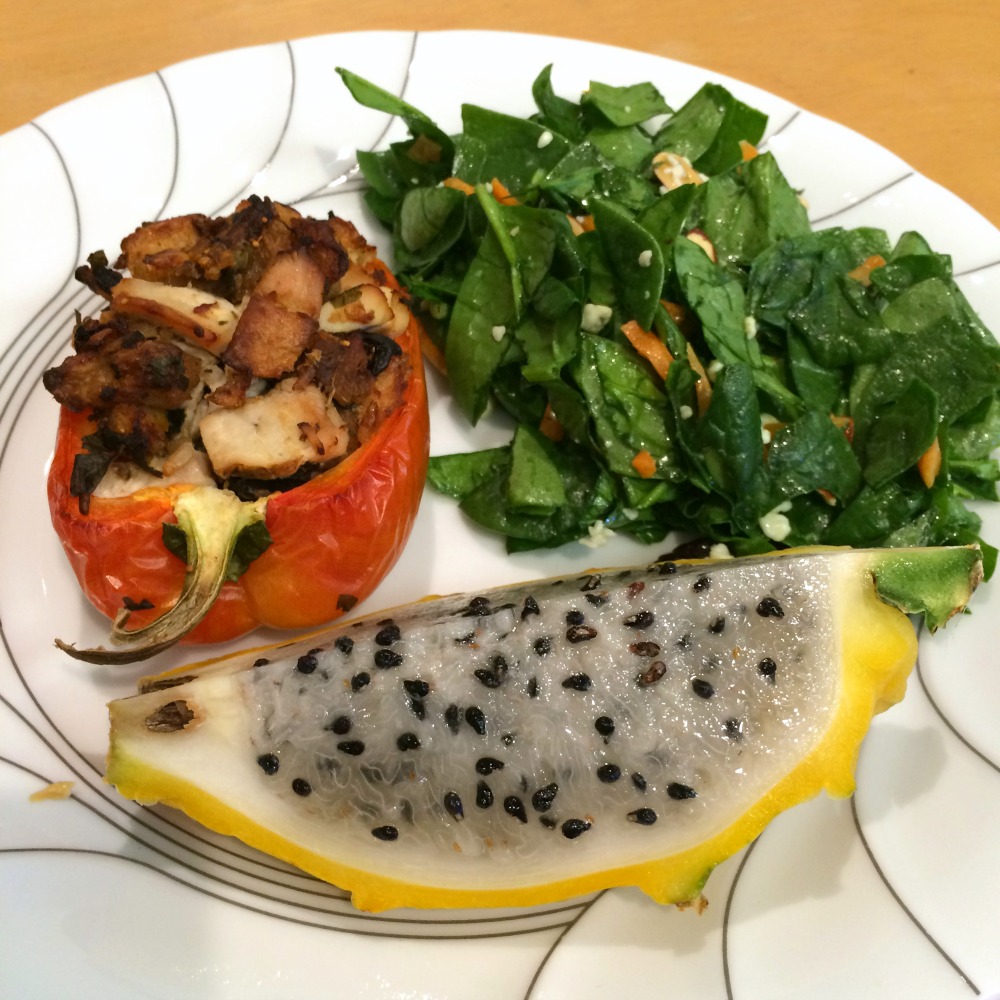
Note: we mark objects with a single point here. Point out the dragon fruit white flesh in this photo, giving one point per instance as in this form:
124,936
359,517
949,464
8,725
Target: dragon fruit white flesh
533,742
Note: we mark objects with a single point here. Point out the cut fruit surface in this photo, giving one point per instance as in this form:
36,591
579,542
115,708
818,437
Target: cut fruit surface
535,742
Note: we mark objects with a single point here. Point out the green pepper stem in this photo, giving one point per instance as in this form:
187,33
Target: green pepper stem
212,520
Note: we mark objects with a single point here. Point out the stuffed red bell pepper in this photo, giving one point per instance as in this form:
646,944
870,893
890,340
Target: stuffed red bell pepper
243,437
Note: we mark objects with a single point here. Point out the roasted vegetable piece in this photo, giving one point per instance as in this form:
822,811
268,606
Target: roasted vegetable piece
292,446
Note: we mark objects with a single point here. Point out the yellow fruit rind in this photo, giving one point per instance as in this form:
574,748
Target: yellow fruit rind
877,650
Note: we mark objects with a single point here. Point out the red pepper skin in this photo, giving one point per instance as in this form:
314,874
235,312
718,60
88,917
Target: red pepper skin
334,538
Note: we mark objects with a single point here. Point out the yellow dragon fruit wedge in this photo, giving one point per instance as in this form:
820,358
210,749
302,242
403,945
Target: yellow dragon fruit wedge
531,743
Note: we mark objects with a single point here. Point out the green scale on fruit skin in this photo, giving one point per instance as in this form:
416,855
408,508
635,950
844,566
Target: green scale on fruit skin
717,679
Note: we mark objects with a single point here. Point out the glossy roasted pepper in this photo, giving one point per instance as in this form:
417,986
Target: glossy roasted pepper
331,539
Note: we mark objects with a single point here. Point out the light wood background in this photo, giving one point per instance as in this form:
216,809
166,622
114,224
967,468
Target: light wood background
920,77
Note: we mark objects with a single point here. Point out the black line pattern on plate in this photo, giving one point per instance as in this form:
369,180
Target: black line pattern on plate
899,901
950,726
50,303
351,180
283,131
298,921
859,828
864,198
544,961
976,270
175,171
727,914
781,128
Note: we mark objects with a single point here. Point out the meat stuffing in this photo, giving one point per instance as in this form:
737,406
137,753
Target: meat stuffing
262,340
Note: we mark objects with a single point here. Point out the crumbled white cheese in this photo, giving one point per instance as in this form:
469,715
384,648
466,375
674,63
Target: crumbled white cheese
714,367
774,524
720,551
515,231
544,139
598,534
630,512
750,327
645,258
686,412
594,317
498,333
766,421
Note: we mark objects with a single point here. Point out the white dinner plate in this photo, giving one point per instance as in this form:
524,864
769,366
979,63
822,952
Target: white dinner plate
893,893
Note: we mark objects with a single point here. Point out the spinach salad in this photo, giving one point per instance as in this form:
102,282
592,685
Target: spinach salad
640,289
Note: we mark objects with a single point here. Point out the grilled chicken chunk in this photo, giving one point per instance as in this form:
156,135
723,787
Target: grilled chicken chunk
274,435
261,340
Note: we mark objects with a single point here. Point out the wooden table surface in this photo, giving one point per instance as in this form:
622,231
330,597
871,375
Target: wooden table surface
920,77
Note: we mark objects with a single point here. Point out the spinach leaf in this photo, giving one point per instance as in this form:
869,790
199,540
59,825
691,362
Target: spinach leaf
529,310
431,220
809,455
875,513
748,209
717,298
458,475
901,432
534,485
709,127
730,439
477,331
555,112
589,496
803,283
516,149
623,106
634,258
627,410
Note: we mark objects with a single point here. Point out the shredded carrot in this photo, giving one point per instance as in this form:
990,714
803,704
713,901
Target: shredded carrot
827,496
648,346
433,354
863,272
502,193
459,185
846,424
748,149
675,311
550,425
644,464
581,224
929,463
